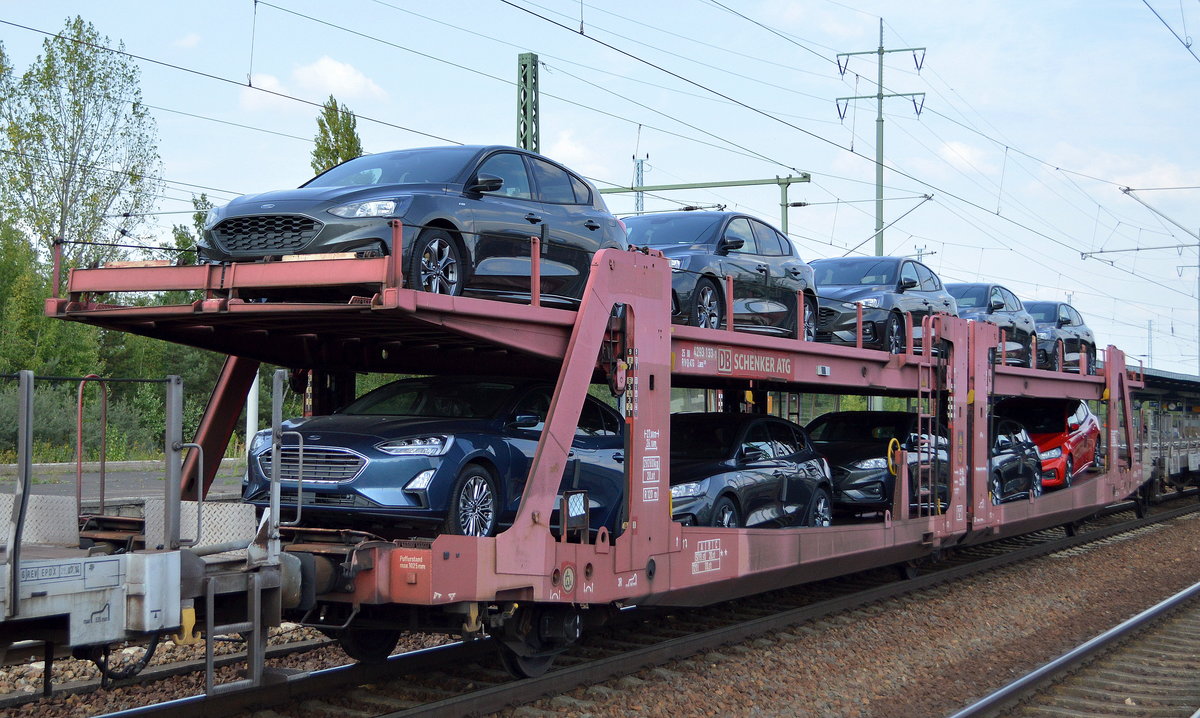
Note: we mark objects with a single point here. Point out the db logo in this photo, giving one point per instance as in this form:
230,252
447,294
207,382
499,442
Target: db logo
724,361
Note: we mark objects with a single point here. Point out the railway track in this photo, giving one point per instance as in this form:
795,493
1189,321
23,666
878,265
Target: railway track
1147,666
459,679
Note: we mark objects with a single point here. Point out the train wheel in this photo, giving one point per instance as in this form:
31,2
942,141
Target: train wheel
368,645
524,666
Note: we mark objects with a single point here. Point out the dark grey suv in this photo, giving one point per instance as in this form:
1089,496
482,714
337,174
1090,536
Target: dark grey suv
468,215
1061,332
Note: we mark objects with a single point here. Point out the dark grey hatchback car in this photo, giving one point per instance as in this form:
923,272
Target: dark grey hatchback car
997,305
468,215
705,247
888,288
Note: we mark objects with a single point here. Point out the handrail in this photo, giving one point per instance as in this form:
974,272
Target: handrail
21,491
299,475
199,493
79,440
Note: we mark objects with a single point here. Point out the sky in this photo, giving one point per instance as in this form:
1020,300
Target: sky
1034,118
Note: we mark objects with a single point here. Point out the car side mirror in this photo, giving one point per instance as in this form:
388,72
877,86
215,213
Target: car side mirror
730,244
750,455
485,183
525,421
1062,322
907,283
996,304
1072,425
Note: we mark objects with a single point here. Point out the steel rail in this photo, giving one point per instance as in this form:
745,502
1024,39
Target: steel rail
1026,685
562,679
566,679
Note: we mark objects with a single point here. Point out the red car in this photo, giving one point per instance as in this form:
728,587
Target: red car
1067,435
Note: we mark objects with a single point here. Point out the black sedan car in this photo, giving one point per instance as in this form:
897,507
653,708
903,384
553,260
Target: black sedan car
468,215
995,304
705,247
856,444
749,470
1061,335
448,454
888,288
1016,465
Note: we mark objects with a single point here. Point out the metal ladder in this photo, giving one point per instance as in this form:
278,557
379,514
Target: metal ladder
931,376
252,629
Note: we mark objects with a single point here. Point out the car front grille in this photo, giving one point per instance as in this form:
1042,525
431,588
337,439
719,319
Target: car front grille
266,233
320,464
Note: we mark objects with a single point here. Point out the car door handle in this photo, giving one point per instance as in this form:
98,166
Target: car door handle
762,268
619,457
532,218
592,224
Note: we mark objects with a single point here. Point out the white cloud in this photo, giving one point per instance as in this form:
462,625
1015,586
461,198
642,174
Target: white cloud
327,76
254,100
578,156
966,157
315,82
188,41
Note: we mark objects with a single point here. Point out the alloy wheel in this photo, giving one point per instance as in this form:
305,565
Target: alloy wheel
475,511
440,266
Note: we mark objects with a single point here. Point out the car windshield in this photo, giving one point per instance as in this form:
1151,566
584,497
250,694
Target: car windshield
1042,311
434,164
423,397
670,230
968,296
859,427
701,437
854,271
1037,417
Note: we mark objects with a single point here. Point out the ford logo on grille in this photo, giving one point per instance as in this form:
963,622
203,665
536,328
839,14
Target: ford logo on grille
267,206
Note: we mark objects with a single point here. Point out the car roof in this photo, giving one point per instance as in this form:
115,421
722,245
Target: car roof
858,259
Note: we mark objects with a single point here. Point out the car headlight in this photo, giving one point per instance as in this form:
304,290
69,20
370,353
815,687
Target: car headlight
675,263
868,303
689,490
417,446
212,217
1043,335
372,208
1051,454
876,463
260,441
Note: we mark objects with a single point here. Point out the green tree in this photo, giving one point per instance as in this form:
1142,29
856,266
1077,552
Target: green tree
337,136
79,158
186,237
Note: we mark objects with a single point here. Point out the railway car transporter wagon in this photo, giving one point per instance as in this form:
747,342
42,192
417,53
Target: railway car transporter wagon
532,586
